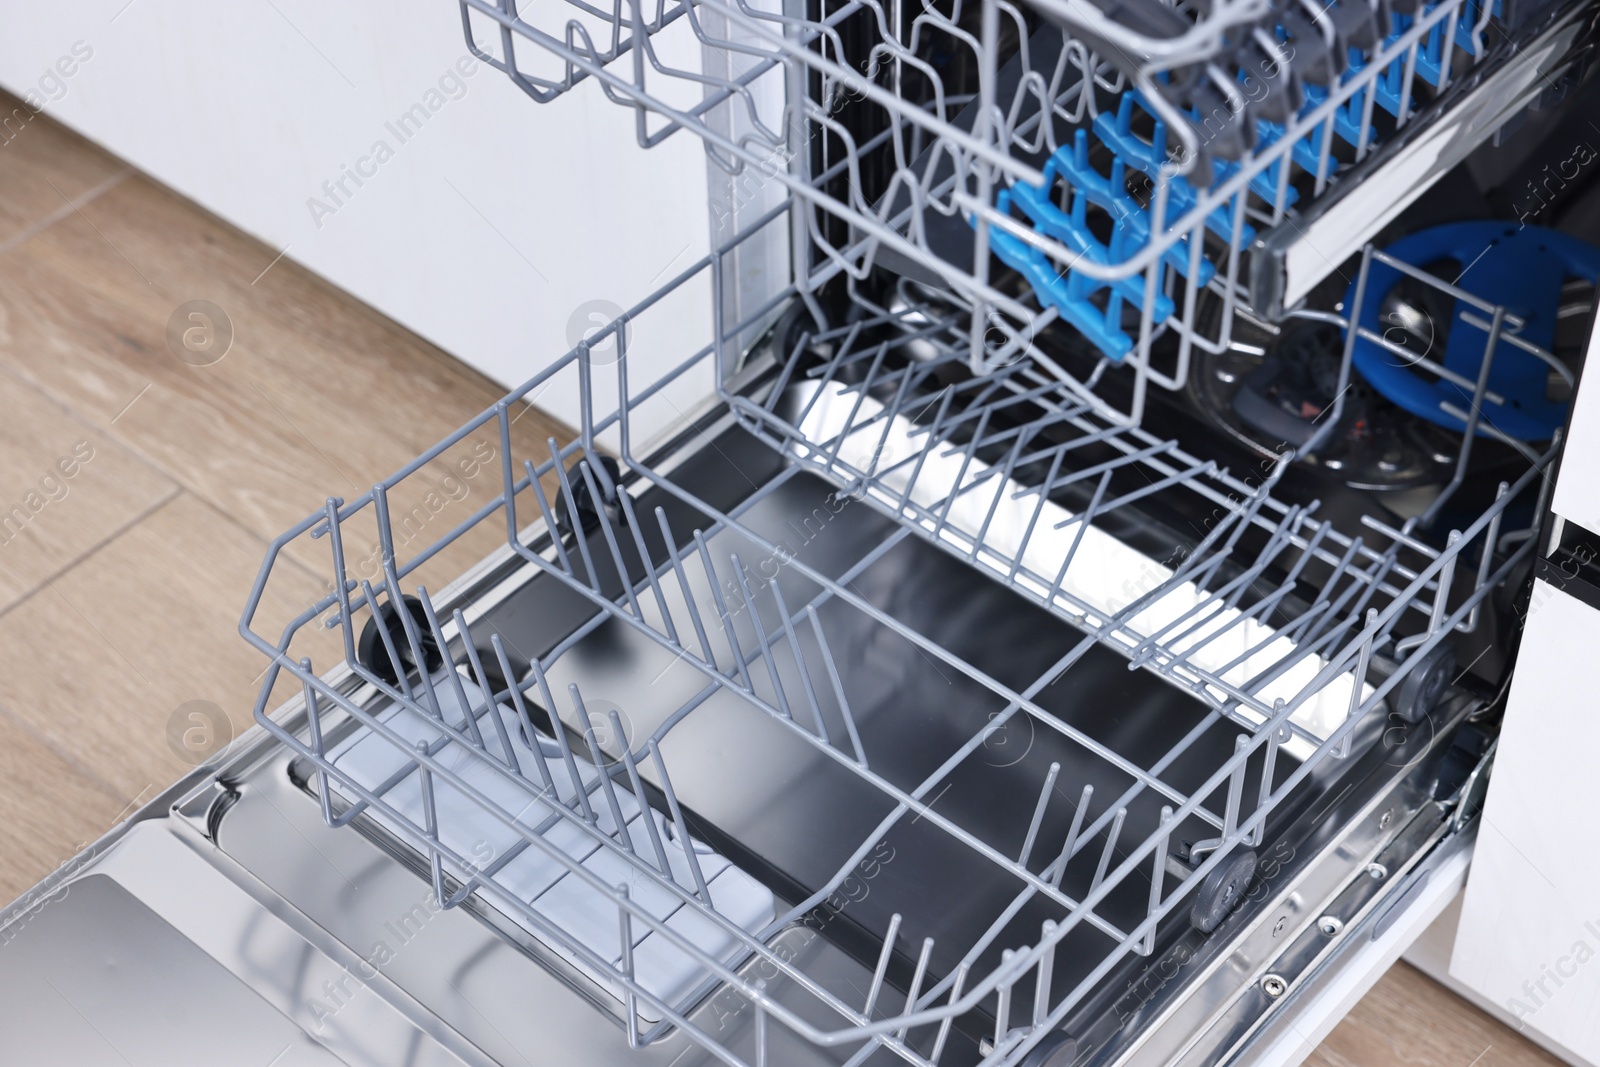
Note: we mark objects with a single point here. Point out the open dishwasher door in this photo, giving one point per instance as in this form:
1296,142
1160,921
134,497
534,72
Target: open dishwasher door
966,674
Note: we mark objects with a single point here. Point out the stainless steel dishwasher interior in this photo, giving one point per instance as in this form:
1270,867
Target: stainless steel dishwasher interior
787,813
798,815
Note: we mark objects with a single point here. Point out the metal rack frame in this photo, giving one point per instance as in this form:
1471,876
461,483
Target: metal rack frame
1343,629
954,155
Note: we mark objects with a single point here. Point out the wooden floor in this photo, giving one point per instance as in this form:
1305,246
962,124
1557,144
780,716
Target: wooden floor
138,493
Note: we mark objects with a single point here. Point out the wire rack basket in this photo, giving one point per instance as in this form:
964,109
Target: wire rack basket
1273,618
1045,162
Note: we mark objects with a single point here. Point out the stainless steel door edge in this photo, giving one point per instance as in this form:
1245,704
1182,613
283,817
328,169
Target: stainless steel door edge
1286,1029
1202,998
268,945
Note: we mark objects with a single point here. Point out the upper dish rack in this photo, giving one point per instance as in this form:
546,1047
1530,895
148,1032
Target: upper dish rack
1041,162
991,469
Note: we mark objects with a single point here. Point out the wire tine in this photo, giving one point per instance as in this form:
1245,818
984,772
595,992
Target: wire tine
685,842
1486,558
579,535
838,687
521,707
722,610
630,998
1041,989
508,475
1109,850
1230,817
761,1029
683,587
917,978
948,1020
861,396
762,640
1084,517
883,965
567,760
1000,494
609,534
549,519
1038,509
607,786
414,641
888,424
1359,678
1070,845
343,583
1269,768
1038,814
799,659
1002,1010
631,521
493,710
645,812
1158,872
314,725
470,719
430,823
402,682
956,489
922,455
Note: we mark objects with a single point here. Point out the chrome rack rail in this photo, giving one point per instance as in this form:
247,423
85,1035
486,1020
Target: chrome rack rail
774,662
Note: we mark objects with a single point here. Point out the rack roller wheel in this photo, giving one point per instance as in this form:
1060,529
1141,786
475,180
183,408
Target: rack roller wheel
374,656
582,500
1056,1050
1222,890
1424,686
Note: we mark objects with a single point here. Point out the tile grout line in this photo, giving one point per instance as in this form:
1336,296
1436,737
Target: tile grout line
65,755
67,210
90,426
44,583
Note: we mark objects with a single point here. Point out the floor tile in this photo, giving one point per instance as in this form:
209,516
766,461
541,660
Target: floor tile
65,487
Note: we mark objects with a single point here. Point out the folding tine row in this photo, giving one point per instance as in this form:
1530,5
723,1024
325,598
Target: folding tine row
980,467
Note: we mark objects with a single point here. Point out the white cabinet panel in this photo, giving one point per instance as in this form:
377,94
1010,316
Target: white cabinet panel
1577,496
1529,937
348,135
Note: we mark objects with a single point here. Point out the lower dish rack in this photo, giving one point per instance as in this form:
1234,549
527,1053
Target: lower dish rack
627,842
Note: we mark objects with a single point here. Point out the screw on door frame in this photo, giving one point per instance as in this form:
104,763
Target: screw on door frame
1274,986
1385,819
1377,871
1330,925
1280,926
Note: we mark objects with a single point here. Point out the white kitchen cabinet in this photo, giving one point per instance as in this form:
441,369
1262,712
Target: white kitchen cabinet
1529,935
363,141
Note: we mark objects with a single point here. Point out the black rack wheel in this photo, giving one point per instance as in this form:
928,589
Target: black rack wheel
373,653
1222,890
1426,682
583,501
1056,1050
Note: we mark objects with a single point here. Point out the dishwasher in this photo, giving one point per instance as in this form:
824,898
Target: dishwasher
1039,591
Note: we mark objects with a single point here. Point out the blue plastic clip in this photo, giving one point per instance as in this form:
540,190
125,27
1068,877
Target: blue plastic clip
1151,159
1068,295
1127,213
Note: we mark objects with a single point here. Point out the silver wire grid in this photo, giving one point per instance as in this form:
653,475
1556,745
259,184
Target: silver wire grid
976,153
1385,592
